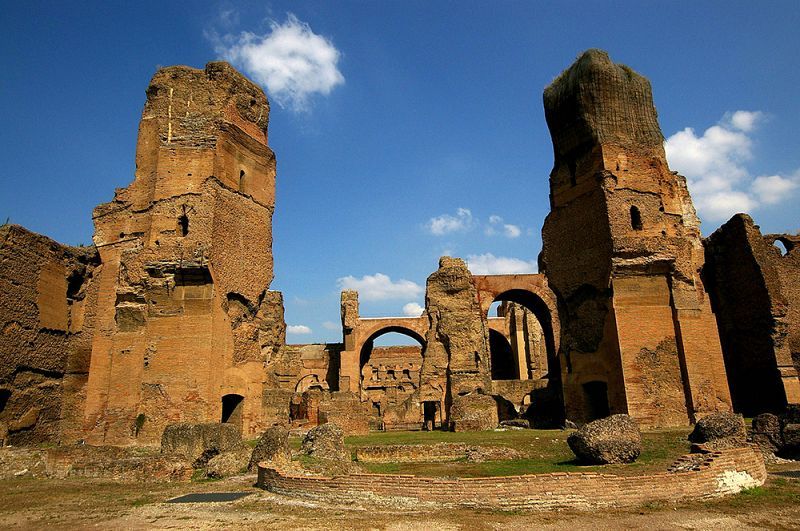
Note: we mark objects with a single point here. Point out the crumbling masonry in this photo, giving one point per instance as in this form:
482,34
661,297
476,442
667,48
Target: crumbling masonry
168,317
622,249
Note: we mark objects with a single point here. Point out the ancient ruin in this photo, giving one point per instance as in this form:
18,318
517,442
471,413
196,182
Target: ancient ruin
169,318
755,294
622,250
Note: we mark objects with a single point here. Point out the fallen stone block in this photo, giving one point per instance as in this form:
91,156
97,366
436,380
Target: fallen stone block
614,439
200,442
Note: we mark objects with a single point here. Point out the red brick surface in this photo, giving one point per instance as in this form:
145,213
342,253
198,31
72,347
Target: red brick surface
715,476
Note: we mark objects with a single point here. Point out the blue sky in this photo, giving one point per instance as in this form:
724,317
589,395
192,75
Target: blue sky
417,131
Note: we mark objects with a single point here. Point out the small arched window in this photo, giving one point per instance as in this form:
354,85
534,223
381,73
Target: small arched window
784,246
241,180
636,218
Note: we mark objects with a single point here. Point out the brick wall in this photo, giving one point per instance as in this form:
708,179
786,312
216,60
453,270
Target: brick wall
720,473
44,340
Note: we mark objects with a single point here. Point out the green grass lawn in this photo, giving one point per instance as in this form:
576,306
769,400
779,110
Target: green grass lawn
543,451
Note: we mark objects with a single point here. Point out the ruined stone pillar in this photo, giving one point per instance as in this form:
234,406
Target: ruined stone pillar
350,364
518,340
456,356
184,311
622,251
756,293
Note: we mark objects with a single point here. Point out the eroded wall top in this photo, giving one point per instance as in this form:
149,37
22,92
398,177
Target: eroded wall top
596,101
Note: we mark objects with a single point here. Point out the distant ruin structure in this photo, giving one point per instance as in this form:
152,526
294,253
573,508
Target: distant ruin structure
755,292
169,317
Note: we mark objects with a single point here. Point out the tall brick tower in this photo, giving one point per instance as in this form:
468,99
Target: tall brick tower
622,250
183,317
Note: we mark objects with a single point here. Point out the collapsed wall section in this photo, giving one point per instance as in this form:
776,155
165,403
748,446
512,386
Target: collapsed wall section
622,251
456,355
755,294
45,340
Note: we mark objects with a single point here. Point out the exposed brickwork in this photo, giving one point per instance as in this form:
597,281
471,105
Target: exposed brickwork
184,314
622,251
106,462
428,453
43,346
389,380
721,473
169,316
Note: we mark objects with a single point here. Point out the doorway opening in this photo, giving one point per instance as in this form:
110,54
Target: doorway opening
595,395
430,412
232,406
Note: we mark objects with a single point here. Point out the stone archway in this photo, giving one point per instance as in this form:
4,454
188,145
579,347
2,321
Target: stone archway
359,331
367,344
530,292
531,325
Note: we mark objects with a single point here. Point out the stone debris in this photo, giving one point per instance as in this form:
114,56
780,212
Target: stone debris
778,436
272,446
473,412
719,430
228,463
519,424
20,462
325,441
766,433
614,439
200,442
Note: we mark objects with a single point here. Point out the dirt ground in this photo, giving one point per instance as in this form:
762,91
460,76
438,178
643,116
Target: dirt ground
82,503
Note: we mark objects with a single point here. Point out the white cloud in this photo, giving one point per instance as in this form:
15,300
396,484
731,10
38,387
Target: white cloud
291,61
412,309
489,264
330,325
298,329
229,18
445,224
511,231
774,188
715,165
380,287
720,206
745,120
508,230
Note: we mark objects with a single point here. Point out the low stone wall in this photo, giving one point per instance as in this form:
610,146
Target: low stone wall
103,462
718,474
410,453
432,453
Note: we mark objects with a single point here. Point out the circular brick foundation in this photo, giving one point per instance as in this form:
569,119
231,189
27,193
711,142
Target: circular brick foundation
716,474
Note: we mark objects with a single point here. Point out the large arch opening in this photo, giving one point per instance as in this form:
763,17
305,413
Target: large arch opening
388,337
784,245
522,323
391,360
